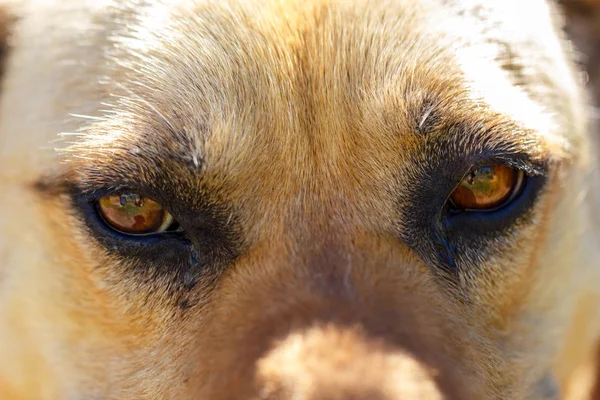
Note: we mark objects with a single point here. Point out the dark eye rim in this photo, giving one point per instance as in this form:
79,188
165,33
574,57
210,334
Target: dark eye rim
441,235
139,253
487,222
204,248
86,202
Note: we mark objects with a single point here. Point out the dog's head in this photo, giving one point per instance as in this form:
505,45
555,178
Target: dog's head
291,199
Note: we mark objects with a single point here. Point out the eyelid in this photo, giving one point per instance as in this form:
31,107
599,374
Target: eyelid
528,168
90,194
518,161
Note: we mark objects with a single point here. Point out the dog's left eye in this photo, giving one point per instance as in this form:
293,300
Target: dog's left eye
487,188
133,214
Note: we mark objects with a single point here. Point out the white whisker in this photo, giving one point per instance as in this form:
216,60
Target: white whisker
88,117
61,134
425,116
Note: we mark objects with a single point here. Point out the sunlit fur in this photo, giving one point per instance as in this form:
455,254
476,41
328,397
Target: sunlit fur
303,123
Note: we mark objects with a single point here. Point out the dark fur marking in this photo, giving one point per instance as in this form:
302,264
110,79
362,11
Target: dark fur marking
446,240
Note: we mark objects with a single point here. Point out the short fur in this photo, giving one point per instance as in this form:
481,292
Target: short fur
306,147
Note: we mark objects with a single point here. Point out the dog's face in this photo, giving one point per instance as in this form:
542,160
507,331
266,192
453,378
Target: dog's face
291,199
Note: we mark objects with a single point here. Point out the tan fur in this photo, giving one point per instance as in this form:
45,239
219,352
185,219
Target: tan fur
306,130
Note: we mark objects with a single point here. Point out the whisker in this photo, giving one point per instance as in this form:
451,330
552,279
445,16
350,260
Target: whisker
88,117
61,134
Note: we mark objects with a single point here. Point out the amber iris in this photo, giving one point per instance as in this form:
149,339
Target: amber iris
487,188
133,214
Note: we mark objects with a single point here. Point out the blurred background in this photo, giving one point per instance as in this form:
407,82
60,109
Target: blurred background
583,25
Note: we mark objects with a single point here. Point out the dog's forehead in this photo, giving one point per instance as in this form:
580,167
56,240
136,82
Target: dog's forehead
287,68
226,79
270,73
306,94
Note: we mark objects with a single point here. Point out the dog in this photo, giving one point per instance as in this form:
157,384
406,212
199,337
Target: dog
285,199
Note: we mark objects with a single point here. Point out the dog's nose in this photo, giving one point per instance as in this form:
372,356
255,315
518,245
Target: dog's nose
333,363
362,322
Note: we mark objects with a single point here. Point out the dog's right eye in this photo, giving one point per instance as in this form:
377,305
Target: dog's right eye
133,214
487,188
